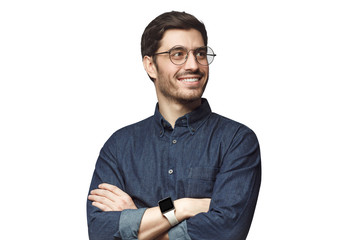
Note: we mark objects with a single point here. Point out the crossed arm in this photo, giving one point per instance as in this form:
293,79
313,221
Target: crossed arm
233,200
153,224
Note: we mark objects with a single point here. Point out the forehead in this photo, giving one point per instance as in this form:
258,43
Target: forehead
190,39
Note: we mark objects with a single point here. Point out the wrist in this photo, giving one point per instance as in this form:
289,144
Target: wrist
167,208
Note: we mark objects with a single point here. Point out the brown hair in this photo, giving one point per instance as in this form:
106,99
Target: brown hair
153,33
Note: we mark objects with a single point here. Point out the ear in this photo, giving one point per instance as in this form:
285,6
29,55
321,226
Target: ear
150,67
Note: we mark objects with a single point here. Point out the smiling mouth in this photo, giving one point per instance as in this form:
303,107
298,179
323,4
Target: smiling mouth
190,77
193,79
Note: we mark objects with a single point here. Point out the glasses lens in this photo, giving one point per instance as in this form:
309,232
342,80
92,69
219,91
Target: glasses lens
178,55
201,55
204,55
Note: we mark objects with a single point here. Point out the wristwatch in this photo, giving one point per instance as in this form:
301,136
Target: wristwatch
168,210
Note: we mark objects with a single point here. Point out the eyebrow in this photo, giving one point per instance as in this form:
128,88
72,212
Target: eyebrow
180,46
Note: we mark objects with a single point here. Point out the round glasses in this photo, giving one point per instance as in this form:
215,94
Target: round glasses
179,54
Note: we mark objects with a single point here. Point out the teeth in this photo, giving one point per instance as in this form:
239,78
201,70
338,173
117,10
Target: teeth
190,80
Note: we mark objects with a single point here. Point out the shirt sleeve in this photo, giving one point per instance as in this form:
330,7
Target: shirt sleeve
179,232
110,224
234,194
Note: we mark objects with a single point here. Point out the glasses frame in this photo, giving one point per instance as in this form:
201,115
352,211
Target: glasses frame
187,54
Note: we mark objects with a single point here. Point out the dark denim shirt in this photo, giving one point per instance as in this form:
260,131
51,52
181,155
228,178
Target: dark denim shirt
204,156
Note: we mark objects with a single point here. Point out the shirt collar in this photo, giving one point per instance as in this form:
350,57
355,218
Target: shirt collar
192,120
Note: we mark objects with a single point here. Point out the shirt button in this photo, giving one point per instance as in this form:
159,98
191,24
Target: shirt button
171,171
174,141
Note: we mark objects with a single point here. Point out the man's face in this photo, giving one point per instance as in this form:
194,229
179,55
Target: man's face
180,83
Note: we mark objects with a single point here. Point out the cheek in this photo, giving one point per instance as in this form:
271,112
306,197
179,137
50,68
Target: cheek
168,70
206,70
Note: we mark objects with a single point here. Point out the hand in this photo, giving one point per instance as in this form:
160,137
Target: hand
189,207
111,198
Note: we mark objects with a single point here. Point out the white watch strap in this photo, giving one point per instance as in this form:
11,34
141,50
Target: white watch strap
170,215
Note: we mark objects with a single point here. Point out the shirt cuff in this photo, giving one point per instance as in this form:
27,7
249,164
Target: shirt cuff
179,232
129,223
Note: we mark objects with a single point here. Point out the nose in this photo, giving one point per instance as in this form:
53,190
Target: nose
191,63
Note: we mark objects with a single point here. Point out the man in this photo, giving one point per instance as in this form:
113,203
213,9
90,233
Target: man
185,172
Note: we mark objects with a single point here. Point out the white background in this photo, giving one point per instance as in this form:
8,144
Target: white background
71,74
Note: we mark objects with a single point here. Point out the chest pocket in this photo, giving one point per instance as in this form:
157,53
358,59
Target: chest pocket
200,182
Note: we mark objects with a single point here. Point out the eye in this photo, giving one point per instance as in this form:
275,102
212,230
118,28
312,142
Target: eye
201,53
178,53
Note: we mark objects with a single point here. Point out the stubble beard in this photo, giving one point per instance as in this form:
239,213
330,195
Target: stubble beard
171,92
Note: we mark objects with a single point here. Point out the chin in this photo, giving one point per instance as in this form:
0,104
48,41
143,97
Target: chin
189,99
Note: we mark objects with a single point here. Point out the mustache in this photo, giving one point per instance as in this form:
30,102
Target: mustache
197,72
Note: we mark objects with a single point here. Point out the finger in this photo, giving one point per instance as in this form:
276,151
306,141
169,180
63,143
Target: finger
101,206
104,193
106,203
112,188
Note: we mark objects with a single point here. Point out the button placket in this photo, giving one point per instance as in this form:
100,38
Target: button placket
174,155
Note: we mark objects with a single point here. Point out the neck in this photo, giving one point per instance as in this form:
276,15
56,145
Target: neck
171,110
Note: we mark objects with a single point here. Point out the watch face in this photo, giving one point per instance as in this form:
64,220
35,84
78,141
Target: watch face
166,205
